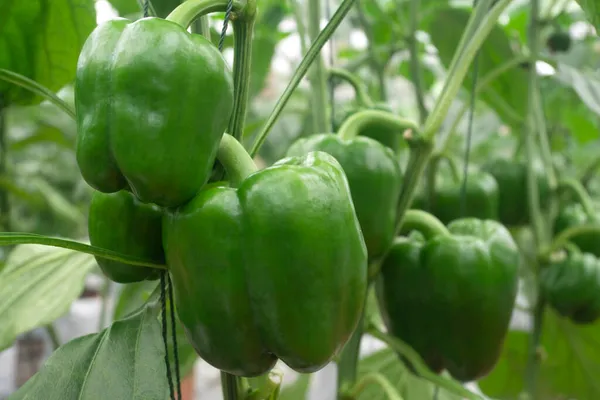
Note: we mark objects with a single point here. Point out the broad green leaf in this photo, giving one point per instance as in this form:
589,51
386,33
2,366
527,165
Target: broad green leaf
570,362
386,363
507,94
57,202
133,297
592,11
586,85
41,40
124,361
37,285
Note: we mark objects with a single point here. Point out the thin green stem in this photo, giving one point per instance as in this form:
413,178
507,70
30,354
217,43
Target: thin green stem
189,10
318,77
419,365
578,190
237,162
456,77
231,387
5,220
377,66
348,361
105,296
375,379
360,89
53,335
589,172
452,164
568,234
423,222
532,371
353,125
36,88
202,27
312,53
12,238
415,64
243,29
297,12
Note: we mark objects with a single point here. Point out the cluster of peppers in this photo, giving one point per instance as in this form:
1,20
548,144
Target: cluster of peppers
255,257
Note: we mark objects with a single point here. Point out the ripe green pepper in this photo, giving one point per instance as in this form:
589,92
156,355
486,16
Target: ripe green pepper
451,295
375,182
152,103
376,130
571,286
275,268
119,222
575,215
511,177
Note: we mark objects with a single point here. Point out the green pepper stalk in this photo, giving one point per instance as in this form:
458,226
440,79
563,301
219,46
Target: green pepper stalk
577,189
353,125
360,90
236,161
244,15
320,112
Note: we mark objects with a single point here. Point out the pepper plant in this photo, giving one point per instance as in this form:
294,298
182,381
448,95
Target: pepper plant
369,222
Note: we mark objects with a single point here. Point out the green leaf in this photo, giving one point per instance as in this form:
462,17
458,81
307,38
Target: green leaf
569,367
41,40
126,7
592,11
586,85
507,94
124,361
37,285
387,364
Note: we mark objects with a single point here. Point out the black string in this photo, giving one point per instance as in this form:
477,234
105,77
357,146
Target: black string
163,302
146,8
463,189
174,335
225,24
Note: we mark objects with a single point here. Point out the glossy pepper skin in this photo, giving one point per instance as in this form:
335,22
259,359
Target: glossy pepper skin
276,268
377,131
119,222
451,297
481,197
375,181
151,100
511,177
572,287
574,215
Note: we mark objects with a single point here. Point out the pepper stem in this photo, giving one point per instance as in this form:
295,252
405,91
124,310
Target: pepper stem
425,223
360,90
353,125
189,10
237,162
578,190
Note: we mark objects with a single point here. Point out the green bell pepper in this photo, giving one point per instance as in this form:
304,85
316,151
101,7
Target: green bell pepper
571,286
275,268
511,177
575,215
119,222
152,103
375,182
451,295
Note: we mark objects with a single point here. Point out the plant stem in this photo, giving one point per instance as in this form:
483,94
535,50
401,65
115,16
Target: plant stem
352,126
348,361
360,90
377,66
36,88
236,161
318,78
564,237
425,223
415,65
578,190
456,77
231,387
589,172
418,364
189,10
104,295
53,335
202,27
4,203
312,53
243,28
12,238
297,11
541,235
